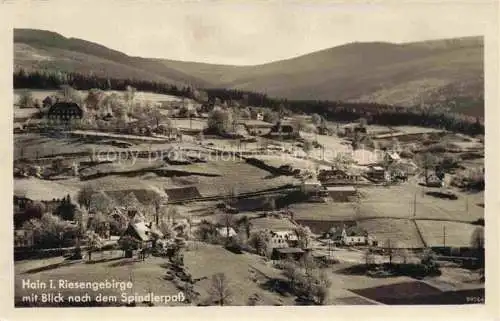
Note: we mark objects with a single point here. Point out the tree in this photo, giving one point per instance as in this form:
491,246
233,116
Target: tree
129,96
84,196
245,114
270,117
128,244
26,99
253,113
94,98
219,290
299,124
227,221
219,121
316,119
156,115
94,243
172,213
69,94
259,241
130,201
102,202
307,146
477,238
66,210
304,236
427,161
292,272
369,258
308,264
245,224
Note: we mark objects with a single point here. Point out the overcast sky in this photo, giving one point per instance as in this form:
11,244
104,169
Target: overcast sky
248,33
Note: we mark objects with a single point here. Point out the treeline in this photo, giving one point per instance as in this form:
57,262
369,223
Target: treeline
330,110
41,79
380,114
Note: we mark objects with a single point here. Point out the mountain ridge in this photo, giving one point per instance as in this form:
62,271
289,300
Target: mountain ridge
446,72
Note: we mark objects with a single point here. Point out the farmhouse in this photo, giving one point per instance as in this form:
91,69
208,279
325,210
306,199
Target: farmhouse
65,111
142,233
225,232
23,238
351,235
284,130
282,239
258,127
391,157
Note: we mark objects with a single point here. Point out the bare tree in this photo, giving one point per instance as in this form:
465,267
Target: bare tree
219,290
304,236
427,161
321,288
292,273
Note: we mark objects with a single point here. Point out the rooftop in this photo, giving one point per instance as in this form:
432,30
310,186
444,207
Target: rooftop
341,188
290,250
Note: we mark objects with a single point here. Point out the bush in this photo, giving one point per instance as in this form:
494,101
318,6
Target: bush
219,121
26,99
407,154
471,179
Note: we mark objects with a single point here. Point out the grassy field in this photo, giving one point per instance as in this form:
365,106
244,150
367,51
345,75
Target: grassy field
38,189
399,232
436,233
205,260
323,211
241,177
271,223
23,113
415,129
33,145
398,201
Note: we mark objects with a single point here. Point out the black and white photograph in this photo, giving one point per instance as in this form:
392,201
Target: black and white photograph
196,154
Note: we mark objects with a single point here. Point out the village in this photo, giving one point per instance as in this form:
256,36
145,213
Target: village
235,204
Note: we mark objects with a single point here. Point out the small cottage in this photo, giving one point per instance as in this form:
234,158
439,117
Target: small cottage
142,233
378,173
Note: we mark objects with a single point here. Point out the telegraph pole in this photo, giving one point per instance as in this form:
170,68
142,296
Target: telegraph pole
444,235
415,205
